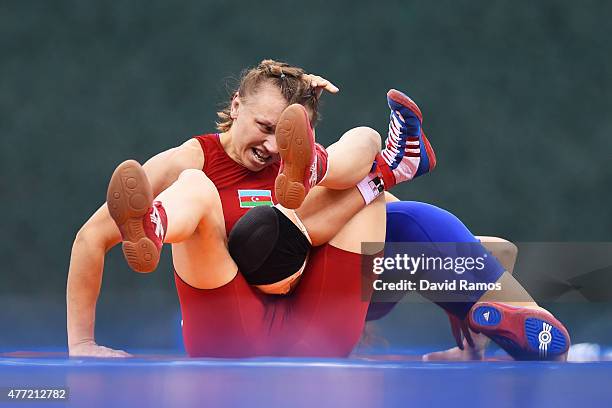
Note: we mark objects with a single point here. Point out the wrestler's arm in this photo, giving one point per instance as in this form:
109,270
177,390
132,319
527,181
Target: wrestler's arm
96,237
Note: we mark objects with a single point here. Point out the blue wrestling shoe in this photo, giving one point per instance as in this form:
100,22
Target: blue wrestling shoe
407,153
525,333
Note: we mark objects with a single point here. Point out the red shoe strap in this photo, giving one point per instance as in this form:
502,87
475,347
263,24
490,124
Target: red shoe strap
155,223
322,164
385,172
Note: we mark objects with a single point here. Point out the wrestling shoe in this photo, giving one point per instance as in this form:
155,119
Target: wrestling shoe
303,162
525,333
141,221
407,153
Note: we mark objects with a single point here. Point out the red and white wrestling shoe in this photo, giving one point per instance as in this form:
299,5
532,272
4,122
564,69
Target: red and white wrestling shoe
303,162
525,333
407,153
141,221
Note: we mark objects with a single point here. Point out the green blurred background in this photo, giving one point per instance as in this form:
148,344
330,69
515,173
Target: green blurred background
516,97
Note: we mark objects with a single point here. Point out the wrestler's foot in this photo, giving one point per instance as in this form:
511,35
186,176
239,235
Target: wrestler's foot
141,221
407,153
525,333
303,162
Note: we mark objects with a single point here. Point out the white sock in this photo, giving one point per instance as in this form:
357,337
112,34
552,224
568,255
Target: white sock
371,187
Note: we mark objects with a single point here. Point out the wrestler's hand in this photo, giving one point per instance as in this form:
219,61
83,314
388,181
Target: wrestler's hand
467,353
91,349
320,84
470,346
460,328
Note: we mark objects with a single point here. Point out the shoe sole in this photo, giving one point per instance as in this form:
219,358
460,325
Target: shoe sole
129,198
428,159
399,97
296,148
526,334
431,154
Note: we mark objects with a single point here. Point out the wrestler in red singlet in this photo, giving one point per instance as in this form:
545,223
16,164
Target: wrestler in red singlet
324,316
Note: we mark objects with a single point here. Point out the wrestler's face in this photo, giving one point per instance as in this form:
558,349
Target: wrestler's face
255,117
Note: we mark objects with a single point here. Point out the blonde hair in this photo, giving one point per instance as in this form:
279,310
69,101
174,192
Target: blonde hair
289,80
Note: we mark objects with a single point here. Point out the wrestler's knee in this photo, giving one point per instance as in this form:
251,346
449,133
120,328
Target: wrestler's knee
365,138
505,251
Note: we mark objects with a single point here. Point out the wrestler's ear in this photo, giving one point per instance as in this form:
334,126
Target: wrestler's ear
235,105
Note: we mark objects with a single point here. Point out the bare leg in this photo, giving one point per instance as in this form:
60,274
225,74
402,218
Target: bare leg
325,211
504,250
330,205
368,225
506,253
196,230
512,291
350,158
195,216
350,162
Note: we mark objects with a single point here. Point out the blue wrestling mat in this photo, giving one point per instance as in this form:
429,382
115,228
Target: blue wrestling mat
367,381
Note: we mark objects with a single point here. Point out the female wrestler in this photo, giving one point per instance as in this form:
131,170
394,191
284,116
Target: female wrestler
239,165
419,222
310,341
519,325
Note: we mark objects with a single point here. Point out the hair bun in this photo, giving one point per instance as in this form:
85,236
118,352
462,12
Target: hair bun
276,70
273,68
289,80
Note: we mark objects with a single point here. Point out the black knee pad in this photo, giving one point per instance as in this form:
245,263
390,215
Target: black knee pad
267,246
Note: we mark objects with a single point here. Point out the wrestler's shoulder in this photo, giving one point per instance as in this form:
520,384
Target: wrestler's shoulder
190,153
197,146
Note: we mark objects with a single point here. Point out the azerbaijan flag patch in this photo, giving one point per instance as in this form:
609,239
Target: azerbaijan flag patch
254,198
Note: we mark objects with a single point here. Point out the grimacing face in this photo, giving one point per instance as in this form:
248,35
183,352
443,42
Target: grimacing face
253,143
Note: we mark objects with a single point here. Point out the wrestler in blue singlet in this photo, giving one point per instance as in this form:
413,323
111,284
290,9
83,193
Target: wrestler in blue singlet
411,221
